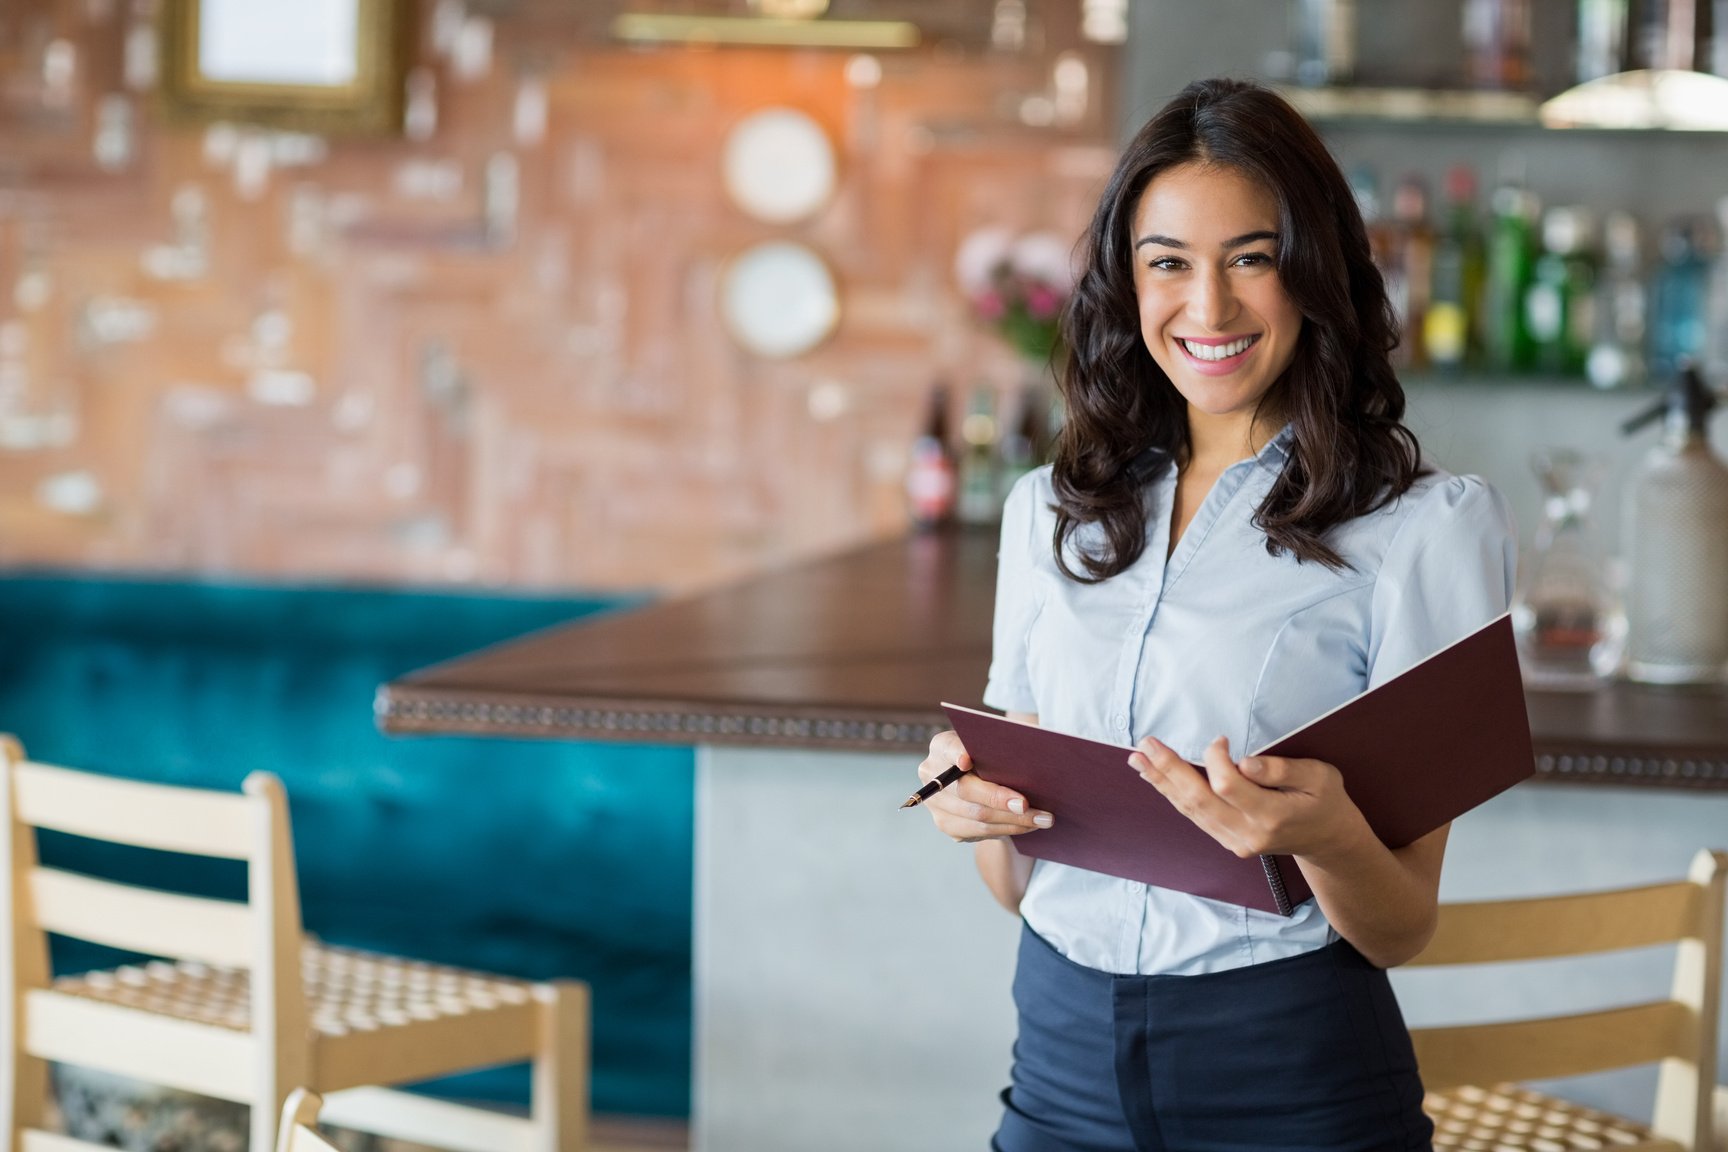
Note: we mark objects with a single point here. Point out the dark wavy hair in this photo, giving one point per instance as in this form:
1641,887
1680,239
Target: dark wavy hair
1350,455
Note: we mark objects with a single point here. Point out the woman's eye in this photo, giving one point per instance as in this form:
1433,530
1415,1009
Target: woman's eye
1253,259
1164,264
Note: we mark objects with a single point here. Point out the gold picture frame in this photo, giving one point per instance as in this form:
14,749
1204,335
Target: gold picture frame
336,68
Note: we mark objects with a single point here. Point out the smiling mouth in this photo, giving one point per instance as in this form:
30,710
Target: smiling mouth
1217,351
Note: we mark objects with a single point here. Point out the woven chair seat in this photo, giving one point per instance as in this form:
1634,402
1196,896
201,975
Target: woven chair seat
347,991
1511,1118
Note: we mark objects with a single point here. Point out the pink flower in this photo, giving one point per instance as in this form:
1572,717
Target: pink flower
1042,302
989,306
1016,284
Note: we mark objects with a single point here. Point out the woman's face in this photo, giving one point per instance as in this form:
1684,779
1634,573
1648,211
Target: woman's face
1213,313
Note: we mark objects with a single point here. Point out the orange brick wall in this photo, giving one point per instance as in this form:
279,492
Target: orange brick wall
560,408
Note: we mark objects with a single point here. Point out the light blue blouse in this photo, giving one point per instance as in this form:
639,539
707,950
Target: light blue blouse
1224,639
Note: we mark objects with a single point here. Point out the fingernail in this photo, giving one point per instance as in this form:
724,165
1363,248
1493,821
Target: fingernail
1017,806
1043,820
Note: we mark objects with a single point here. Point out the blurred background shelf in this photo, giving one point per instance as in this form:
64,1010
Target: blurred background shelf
1410,106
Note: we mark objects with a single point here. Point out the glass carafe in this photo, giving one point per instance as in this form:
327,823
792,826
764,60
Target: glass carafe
1570,623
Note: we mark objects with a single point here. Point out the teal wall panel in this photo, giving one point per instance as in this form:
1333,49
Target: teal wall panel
532,858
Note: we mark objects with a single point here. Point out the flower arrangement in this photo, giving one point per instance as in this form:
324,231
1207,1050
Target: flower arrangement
1018,285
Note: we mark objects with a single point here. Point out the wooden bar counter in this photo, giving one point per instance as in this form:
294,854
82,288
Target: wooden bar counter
855,651
851,976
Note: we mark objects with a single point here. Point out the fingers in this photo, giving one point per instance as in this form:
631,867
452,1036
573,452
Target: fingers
1237,783
973,808
1163,768
967,831
1175,777
973,798
1258,805
1221,771
1308,776
945,751
1268,771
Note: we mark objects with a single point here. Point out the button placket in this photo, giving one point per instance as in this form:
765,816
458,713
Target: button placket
1134,641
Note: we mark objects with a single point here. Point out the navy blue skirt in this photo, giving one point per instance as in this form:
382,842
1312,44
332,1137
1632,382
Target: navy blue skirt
1304,1054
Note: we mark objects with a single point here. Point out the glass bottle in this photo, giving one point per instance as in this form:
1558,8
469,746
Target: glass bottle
1677,544
1716,335
1410,265
1365,188
1021,450
1671,34
975,502
1497,44
1325,38
1602,39
1679,296
1450,332
1719,37
1616,357
1561,299
1571,631
930,479
1506,342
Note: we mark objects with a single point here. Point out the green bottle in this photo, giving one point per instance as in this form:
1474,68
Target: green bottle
1506,340
1560,305
1451,328
976,500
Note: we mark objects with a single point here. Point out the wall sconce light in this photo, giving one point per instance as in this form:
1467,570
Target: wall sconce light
790,9
1671,98
776,23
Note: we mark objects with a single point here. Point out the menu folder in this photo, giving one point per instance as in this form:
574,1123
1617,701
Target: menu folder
1418,751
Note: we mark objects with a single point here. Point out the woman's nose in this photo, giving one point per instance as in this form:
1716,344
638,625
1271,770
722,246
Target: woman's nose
1212,303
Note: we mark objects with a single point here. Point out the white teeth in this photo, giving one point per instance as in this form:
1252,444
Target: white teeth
1218,351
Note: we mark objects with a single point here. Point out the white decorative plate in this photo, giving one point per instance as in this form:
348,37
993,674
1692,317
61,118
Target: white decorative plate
778,166
778,299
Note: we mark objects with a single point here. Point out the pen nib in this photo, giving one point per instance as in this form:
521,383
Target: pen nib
910,801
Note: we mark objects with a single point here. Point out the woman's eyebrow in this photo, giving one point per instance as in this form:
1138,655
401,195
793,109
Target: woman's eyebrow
1233,242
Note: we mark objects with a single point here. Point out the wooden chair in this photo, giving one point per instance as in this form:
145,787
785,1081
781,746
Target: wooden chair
298,1117
1471,1072
244,1007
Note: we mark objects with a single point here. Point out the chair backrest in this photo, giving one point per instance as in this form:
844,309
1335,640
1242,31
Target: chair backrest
1681,1031
262,935
299,1115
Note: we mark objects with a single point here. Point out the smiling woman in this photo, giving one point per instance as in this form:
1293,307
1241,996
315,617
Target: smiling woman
1237,535
327,66
1213,313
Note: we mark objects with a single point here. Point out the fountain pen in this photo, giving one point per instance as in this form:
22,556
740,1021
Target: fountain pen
931,787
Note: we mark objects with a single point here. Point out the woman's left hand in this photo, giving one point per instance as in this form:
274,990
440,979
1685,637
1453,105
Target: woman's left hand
1257,805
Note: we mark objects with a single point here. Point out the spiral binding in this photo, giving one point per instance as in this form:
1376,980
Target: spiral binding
1276,879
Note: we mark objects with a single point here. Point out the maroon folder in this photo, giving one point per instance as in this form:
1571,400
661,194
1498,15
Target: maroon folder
1421,749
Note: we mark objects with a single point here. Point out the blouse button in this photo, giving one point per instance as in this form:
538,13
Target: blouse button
1120,720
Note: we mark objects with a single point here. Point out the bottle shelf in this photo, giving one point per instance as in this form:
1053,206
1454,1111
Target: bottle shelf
1416,106
1485,381
1661,103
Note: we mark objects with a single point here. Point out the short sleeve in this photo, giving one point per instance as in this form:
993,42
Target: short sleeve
1009,687
1449,570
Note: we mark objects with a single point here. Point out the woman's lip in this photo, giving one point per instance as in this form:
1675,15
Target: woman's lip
1215,367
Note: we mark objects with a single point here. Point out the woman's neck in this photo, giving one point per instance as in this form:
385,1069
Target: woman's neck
1216,442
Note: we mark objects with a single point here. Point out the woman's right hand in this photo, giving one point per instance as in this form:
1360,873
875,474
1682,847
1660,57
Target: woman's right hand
973,809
